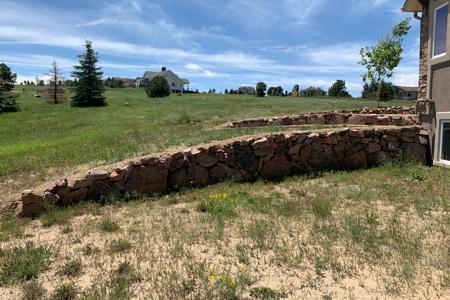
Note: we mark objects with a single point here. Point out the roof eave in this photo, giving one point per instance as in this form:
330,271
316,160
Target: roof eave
413,6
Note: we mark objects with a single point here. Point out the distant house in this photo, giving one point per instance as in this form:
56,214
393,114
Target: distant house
247,90
177,84
313,92
406,93
127,82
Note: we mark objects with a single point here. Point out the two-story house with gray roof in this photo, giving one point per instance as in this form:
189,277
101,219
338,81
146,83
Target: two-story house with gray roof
433,105
176,84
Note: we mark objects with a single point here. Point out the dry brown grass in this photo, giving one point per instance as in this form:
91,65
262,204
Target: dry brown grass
375,234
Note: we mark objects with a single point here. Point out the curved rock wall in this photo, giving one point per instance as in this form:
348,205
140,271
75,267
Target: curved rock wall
394,116
242,160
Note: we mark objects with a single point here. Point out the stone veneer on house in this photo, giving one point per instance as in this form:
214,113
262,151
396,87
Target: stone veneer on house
242,160
423,56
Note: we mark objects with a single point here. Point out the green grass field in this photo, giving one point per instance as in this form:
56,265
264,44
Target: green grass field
370,234
45,139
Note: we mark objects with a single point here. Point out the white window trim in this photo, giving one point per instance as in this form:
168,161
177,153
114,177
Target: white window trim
441,119
434,32
441,141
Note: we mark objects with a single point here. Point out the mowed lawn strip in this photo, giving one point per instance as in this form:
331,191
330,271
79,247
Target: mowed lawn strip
45,139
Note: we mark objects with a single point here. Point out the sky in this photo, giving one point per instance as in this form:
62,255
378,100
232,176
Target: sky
216,44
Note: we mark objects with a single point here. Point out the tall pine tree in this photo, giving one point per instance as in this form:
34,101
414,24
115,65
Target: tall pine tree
7,80
88,85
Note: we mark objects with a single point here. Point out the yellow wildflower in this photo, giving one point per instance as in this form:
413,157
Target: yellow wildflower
232,283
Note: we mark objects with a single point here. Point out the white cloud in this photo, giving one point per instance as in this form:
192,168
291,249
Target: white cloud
199,71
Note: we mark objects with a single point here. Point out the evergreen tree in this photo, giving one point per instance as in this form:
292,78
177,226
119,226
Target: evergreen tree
338,89
370,91
88,84
7,80
296,91
261,88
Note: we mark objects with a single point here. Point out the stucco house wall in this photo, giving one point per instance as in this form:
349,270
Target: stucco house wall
433,105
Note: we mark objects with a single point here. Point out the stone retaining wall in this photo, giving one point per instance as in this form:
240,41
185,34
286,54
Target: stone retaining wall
243,160
393,116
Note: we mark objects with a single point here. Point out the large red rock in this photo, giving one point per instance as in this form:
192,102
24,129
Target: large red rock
275,167
74,196
100,189
176,161
79,182
294,150
50,198
205,160
30,204
179,179
373,147
306,152
197,175
357,160
220,173
262,147
414,152
147,180
357,120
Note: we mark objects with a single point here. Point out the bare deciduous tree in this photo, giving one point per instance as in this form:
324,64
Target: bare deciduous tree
55,90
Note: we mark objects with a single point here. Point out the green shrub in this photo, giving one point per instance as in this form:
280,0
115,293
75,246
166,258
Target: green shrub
90,250
66,291
158,87
220,207
10,226
322,208
22,264
108,225
33,291
72,268
120,246
266,294
8,103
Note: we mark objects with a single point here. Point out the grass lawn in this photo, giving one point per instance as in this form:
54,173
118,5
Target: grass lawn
44,140
382,233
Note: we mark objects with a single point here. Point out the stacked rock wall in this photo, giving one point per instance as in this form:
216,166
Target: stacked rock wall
242,160
395,116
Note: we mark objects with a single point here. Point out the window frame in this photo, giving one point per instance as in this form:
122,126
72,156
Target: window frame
434,31
441,142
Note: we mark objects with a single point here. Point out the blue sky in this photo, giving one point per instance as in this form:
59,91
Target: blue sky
213,43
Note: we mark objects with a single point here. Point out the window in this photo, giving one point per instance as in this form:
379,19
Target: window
440,30
173,84
445,146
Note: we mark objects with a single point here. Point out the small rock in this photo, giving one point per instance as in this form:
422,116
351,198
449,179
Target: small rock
206,160
50,198
98,175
